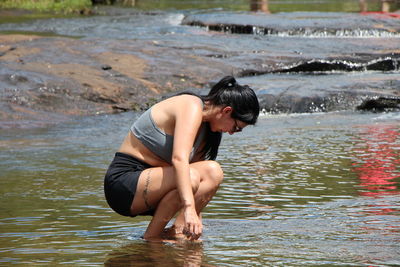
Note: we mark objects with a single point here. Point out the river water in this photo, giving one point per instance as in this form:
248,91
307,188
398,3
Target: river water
299,189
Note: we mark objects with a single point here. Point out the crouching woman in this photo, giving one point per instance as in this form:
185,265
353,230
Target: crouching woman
165,166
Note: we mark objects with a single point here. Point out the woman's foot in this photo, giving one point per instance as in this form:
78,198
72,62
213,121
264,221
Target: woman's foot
172,233
175,233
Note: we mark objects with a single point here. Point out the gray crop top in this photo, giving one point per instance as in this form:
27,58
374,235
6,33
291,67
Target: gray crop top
159,142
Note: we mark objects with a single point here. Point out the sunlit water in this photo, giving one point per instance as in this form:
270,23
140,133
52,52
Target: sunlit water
302,189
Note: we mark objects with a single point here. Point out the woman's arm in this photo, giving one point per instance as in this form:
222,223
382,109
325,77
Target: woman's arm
188,118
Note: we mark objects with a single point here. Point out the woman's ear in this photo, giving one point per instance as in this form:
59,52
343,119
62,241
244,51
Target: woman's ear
227,110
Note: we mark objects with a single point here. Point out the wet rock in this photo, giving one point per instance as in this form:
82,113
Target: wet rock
98,98
59,75
121,108
292,103
323,66
380,104
121,68
6,50
387,64
296,24
106,67
322,92
15,79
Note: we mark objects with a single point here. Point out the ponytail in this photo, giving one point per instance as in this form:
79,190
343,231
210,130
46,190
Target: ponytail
225,83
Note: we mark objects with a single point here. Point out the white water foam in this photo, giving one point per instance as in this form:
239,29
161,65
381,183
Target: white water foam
175,19
388,116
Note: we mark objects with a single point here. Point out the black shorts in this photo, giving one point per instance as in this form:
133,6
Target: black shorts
121,181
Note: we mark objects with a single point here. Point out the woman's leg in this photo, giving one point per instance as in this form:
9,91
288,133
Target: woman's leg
157,188
154,184
211,177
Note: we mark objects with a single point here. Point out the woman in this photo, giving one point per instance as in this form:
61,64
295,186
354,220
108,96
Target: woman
166,162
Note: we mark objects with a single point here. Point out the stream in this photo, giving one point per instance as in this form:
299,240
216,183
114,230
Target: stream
303,187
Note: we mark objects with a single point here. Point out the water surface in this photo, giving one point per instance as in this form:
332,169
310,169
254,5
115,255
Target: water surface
301,189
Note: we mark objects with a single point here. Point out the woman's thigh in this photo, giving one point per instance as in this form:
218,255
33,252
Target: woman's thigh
154,184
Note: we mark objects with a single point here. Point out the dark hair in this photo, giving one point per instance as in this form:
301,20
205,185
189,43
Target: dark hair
227,92
242,99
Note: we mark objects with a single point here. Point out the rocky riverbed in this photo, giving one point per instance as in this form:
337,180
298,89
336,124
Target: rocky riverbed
126,59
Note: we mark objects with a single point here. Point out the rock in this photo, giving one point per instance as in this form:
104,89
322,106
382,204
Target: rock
106,67
295,24
387,64
380,104
122,68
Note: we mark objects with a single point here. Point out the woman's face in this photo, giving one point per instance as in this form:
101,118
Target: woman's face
224,123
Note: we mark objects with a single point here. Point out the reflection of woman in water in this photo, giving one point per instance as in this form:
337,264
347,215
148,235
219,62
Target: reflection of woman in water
165,164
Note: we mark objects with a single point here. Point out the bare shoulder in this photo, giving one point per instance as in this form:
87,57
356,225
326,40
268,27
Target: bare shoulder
187,100
184,103
165,113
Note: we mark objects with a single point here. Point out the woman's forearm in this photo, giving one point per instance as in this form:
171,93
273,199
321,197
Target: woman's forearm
183,182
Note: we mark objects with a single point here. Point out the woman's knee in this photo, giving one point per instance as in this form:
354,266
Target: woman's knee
214,172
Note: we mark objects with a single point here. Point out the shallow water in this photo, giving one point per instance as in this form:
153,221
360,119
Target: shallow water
299,189
307,189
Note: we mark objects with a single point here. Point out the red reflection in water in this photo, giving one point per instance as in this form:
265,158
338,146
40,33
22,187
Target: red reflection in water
379,157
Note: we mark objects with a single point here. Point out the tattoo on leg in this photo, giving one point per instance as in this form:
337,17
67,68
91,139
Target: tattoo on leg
146,190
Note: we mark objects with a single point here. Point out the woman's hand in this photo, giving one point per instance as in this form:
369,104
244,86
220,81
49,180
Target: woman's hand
193,225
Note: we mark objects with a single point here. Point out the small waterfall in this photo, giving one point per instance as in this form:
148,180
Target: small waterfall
311,25
297,32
